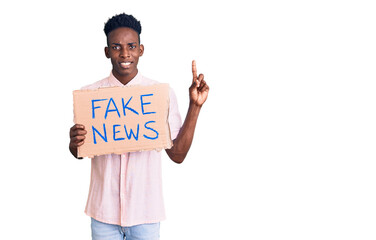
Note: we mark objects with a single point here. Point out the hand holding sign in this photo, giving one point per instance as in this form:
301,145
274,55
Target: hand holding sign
198,92
77,136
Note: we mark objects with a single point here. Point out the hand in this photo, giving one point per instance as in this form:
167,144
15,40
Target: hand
77,136
199,90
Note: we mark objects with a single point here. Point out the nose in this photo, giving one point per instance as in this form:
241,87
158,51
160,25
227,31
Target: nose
124,53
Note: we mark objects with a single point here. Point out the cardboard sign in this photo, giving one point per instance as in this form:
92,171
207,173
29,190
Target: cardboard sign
123,119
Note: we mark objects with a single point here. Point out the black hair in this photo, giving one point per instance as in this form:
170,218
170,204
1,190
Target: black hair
122,20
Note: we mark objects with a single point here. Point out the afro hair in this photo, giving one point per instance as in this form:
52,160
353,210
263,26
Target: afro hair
122,20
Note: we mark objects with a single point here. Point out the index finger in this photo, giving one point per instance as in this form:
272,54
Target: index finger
194,71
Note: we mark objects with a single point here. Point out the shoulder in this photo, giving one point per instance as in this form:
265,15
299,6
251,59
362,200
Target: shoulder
147,81
96,85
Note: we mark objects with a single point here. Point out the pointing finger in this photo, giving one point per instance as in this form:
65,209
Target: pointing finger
194,71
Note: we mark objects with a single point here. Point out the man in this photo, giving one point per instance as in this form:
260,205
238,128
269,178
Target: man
125,195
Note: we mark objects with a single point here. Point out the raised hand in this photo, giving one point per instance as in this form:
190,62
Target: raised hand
199,90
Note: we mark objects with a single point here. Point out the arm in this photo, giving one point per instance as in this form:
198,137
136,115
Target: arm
198,93
77,136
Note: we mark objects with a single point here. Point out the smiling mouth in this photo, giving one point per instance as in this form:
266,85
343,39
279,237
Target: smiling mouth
125,64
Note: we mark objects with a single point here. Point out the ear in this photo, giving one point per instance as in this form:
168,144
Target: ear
106,52
141,49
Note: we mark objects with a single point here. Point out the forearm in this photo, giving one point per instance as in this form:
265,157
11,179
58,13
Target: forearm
183,141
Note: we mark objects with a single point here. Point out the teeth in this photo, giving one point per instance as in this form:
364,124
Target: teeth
125,63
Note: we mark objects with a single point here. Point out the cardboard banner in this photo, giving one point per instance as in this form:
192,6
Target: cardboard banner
123,119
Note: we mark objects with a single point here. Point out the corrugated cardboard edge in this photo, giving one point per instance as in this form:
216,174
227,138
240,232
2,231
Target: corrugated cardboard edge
169,142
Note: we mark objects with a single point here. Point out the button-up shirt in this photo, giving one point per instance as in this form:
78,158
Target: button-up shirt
126,189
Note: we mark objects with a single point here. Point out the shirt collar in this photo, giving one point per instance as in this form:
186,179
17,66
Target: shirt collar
114,82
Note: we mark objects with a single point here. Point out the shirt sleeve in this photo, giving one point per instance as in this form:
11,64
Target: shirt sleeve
174,118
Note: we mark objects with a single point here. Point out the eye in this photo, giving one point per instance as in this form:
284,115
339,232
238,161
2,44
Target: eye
132,46
116,47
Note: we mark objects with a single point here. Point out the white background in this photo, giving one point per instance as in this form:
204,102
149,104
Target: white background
284,147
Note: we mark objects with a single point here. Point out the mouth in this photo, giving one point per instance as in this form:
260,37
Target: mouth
125,64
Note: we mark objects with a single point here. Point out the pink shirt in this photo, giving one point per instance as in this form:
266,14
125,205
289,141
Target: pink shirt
126,189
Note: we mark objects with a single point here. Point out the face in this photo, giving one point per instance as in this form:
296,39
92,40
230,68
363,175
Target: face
124,50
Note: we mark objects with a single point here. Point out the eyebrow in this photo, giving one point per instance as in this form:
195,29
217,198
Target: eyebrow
118,44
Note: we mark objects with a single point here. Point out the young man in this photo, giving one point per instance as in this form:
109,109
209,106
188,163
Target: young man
125,195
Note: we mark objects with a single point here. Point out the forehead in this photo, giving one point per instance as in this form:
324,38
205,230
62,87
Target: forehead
122,35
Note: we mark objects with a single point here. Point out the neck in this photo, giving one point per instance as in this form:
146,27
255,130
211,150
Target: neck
125,79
